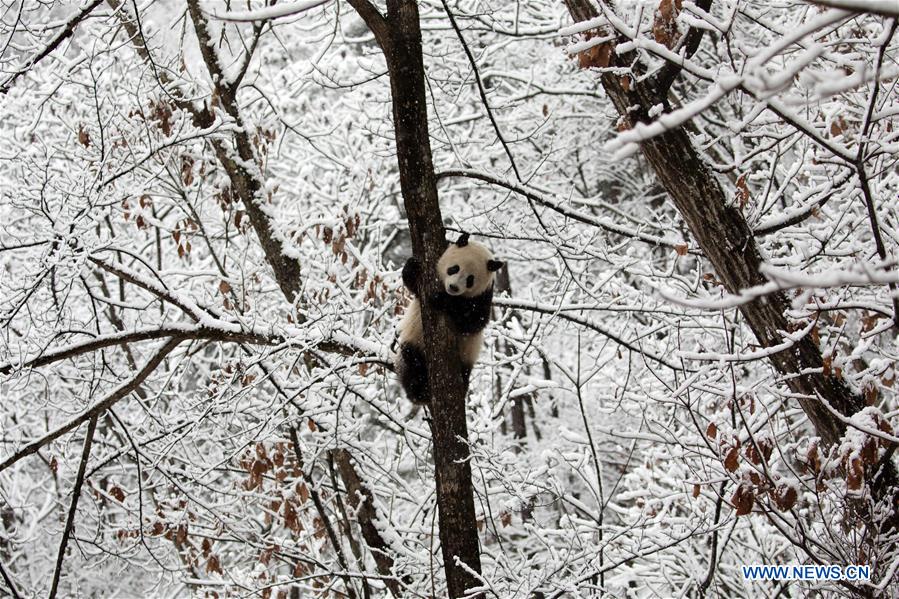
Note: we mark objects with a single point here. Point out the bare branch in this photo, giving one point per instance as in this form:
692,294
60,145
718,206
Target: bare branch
884,8
362,501
557,206
278,11
73,507
63,35
110,400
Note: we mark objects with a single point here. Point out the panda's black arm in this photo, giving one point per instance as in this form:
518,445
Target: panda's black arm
469,314
412,275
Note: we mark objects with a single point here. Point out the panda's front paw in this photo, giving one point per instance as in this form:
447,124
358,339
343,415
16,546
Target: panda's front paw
412,275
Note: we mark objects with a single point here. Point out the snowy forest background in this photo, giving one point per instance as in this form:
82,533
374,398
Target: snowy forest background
693,355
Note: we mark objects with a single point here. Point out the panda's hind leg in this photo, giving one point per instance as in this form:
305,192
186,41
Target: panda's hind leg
413,374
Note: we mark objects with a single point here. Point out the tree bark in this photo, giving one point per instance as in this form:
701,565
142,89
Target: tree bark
360,498
455,495
399,36
729,244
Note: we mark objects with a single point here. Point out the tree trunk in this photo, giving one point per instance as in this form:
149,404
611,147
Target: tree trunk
729,244
360,498
399,36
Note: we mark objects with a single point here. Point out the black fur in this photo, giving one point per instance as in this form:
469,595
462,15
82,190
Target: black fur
413,374
467,316
412,276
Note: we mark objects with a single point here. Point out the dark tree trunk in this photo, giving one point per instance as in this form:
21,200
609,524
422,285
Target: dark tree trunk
399,36
729,244
360,498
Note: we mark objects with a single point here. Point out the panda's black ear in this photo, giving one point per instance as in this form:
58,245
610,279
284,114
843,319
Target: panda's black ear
463,240
495,265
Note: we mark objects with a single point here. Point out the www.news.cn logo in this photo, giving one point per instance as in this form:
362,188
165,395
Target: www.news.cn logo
806,572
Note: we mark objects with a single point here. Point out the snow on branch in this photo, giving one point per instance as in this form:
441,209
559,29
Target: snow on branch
766,352
557,206
104,404
781,280
887,8
269,12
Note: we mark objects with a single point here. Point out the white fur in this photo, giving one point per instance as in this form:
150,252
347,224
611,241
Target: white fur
411,332
471,260
410,326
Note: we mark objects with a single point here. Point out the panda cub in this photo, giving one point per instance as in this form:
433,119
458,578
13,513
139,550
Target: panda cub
466,270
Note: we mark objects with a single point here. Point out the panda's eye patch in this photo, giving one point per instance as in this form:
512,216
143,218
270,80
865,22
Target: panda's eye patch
469,282
452,269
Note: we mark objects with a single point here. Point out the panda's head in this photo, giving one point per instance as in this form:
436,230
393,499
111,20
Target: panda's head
467,268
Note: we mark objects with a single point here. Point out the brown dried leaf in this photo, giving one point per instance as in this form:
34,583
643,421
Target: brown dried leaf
664,27
732,459
213,565
599,56
303,493
743,499
83,138
838,126
869,451
813,456
290,517
320,530
742,195
181,534
855,475
785,497
117,493
712,431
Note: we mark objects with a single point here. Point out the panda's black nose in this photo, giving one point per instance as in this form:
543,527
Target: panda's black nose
454,288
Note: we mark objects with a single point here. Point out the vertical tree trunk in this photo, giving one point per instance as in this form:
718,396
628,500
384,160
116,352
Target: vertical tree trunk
729,244
360,498
399,36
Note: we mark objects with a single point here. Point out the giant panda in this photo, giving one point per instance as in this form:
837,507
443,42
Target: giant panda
466,271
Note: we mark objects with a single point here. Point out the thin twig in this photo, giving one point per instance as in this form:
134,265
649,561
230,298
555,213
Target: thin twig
320,508
110,400
63,35
477,77
863,175
73,508
9,583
